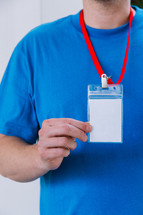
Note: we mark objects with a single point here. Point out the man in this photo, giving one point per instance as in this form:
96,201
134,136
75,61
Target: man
44,93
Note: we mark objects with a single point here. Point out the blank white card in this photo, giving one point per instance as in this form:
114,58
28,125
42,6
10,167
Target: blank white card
105,116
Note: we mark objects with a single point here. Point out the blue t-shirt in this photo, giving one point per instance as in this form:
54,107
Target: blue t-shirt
47,77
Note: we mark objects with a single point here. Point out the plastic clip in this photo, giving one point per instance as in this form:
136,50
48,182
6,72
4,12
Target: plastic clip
104,81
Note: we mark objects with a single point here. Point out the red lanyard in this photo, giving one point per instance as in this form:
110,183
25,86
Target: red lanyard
93,54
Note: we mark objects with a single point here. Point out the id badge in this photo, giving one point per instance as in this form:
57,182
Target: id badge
105,113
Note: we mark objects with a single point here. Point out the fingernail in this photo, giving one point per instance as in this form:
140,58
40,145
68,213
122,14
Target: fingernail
87,123
89,128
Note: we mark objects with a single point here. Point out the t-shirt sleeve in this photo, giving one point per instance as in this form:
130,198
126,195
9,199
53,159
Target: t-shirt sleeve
17,111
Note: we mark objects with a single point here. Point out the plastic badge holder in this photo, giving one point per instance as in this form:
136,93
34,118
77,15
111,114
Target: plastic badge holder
105,113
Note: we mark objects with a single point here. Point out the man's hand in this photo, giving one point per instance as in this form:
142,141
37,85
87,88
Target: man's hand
23,162
57,138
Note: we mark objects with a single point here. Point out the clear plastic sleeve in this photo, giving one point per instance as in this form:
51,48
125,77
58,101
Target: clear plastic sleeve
105,114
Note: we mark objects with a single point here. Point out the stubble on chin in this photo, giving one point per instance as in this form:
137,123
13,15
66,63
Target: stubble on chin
108,2
105,1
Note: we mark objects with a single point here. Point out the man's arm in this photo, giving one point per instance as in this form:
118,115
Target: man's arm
18,159
22,162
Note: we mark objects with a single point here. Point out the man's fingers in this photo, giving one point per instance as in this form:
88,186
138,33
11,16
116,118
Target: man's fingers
58,142
84,126
67,130
53,153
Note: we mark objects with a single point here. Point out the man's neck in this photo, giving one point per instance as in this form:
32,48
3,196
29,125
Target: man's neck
106,14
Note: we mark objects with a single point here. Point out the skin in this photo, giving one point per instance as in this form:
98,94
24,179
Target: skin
22,162
106,14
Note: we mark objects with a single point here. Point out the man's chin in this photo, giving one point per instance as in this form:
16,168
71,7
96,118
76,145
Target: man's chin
105,1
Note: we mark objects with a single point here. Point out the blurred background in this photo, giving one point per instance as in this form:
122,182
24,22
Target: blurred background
138,3
17,17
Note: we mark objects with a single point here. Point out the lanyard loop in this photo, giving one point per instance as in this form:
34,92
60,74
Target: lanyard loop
93,54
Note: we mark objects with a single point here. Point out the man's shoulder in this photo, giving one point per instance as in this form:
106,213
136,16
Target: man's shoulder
59,24
139,13
50,29
137,24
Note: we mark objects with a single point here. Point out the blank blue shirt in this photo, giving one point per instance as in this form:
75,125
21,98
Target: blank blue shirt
47,77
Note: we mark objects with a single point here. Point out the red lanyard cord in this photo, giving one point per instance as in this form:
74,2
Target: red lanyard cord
93,54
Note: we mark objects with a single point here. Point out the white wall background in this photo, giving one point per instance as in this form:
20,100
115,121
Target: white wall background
17,17
55,9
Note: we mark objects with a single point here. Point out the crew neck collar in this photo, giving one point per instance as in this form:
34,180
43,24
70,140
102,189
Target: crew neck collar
107,32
